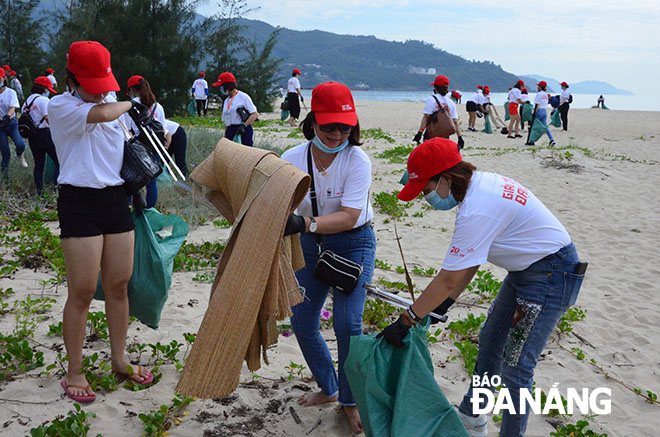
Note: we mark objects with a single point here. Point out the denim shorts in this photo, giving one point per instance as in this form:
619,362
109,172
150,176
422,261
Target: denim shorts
88,212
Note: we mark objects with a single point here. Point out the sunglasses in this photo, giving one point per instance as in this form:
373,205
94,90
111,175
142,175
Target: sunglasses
342,128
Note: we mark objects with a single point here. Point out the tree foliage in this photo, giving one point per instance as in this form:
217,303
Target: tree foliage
20,38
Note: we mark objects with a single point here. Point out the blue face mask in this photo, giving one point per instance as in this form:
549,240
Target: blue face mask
224,91
319,144
46,93
437,202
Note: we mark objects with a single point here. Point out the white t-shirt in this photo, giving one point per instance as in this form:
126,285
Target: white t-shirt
171,126
564,96
8,99
16,84
524,97
432,106
502,222
477,97
229,114
293,85
38,109
200,86
52,80
541,99
346,183
156,111
90,154
514,95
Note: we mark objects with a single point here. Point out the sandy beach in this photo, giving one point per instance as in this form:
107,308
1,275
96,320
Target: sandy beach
604,189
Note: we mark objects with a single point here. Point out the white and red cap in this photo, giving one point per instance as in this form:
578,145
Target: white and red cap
441,81
432,157
332,102
43,80
224,78
89,62
134,80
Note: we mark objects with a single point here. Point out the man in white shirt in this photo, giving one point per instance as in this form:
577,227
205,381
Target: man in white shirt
564,104
439,101
200,92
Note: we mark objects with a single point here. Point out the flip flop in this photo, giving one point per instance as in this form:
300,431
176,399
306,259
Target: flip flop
148,380
78,398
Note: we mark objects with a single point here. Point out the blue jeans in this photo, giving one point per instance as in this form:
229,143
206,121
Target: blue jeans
358,246
542,115
519,323
178,149
10,131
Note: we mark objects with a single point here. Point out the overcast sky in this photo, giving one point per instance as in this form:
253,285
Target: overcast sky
613,41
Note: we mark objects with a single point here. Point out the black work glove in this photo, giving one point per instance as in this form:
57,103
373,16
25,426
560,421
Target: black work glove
461,143
139,113
442,309
241,129
295,224
5,121
395,332
139,203
418,137
301,99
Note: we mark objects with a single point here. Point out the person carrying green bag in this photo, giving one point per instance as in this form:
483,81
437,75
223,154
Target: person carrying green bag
540,116
555,118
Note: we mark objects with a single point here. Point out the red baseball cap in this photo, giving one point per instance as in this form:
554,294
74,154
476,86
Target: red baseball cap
43,80
441,81
480,87
486,89
431,158
202,74
542,84
332,102
296,71
524,90
12,73
564,84
224,78
89,61
520,82
134,80
50,70
6,67
2,72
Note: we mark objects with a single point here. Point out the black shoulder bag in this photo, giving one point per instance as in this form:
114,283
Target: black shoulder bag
26,126
331,269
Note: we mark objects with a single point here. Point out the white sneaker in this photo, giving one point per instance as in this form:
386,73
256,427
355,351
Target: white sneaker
475,426
24,163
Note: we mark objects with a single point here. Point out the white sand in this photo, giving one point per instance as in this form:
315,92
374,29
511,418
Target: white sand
600,206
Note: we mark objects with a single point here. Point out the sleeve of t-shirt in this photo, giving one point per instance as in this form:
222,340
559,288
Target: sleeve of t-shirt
71,118
13,101
358,182
249,105
297,83
431,106
42,104
470,244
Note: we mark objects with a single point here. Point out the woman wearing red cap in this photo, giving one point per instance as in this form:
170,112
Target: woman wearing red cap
564,105
41,144
138,89
238,111
50,74
502,222
95,221
514,101
456,96
293,92
341,222
474,104
16,84
200,92
541,109
433,103
9,126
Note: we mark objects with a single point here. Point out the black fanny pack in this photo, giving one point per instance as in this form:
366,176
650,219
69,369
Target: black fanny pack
331,269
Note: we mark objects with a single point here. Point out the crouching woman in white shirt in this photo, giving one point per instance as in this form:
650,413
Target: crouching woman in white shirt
342,222
95,222
499,221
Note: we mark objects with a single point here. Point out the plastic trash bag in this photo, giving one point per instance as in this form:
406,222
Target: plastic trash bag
506,111
394,388
192,110
538,130
284,114
488,128
527,112
555,118
153,262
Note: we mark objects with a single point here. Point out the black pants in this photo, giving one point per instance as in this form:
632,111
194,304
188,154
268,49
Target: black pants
201,107
178,149
563,112
41,145
294,105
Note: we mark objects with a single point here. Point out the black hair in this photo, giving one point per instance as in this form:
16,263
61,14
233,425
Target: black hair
460,176
37,89
147,97
229,86
70,77
307,126
517,85
293,74
442,90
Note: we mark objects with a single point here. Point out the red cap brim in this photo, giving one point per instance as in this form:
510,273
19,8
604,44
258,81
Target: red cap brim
349,118
412,190
217,84
98,85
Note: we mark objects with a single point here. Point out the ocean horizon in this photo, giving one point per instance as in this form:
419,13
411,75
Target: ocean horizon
646,102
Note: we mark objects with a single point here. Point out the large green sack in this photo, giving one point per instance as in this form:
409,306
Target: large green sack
488,129
538,130
192,109
527,112
153,262
49,173
555,118
506,111
394,388
284,114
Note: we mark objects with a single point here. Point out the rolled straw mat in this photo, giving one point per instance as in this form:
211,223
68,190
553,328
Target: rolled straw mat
255,283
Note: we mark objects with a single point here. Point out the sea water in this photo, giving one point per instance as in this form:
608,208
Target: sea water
648,102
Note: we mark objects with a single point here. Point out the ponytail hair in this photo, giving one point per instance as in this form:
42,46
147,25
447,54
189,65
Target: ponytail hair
143,91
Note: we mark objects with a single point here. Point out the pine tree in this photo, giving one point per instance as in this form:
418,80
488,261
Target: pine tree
20,38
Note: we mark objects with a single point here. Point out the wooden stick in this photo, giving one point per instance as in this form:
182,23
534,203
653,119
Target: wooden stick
405,267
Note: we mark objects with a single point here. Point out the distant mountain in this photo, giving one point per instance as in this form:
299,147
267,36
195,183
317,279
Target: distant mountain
584,87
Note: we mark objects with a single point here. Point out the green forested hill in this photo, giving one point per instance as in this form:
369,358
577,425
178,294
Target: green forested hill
380,64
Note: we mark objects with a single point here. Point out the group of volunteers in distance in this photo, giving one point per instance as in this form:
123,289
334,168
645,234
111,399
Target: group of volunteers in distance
498,220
